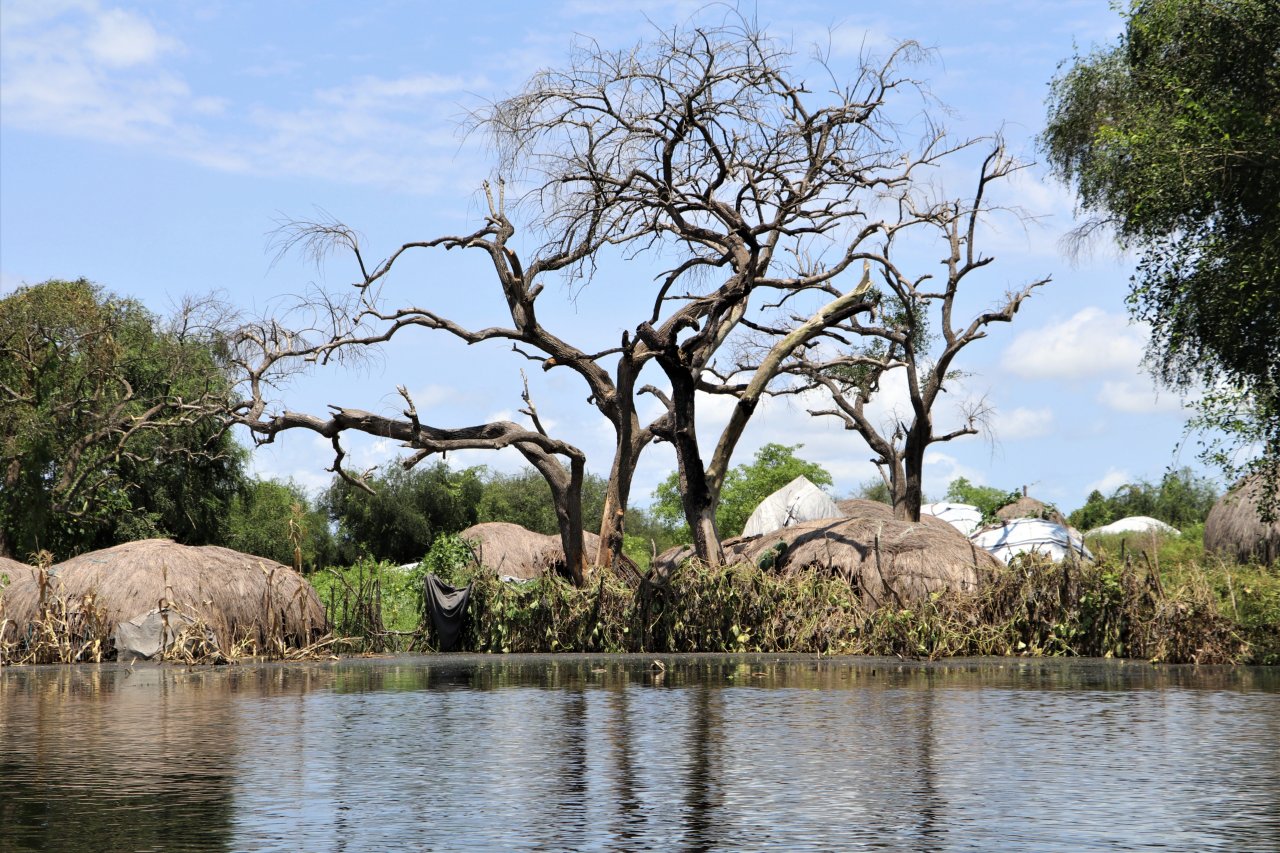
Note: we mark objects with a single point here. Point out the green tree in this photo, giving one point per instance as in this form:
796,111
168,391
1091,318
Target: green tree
1172,139
874,489
1181,498
745,486
524,498
987,499
279,521
406,512
110,423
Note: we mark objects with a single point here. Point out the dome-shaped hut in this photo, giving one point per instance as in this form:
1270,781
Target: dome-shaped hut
888,561
1235,528
237,597
1029,507
517,553
18,582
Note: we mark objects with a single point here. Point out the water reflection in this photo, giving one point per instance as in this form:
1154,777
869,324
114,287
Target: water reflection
705,753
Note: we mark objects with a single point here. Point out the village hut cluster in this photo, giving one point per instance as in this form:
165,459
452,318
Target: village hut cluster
141,598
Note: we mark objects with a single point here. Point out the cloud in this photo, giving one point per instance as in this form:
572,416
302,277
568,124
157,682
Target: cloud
1090,343
1112,480
1135,397
1023,423
120,39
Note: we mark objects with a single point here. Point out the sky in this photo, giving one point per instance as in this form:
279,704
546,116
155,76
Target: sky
155,148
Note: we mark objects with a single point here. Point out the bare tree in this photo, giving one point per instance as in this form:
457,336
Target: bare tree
702,145
898,342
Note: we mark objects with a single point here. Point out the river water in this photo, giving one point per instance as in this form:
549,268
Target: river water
620,753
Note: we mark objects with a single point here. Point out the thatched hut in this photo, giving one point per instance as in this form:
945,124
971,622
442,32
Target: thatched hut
867,509
1029,507
1235,529
890,562
18,581
236,596
517,553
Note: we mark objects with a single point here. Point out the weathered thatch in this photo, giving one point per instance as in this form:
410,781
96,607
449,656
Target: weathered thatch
1027,507
1235,529
890,562
18,582
516,552
238,597
862,508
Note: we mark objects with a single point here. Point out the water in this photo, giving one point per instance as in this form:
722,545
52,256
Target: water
609,753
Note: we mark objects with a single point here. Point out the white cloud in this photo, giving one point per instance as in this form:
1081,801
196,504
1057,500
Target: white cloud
1136,397
1023,423
1112,480
1090,343
120,40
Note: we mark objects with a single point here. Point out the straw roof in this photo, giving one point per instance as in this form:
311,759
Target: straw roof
236,595
889,562
1234,528
517,552
21,584
1027,507
863,508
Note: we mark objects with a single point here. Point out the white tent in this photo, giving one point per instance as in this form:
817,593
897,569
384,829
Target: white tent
1031,535
963,517
1135,524
795,502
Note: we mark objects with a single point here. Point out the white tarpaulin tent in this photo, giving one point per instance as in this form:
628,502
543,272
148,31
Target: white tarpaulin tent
795,502
963,517
1135,524
1031,535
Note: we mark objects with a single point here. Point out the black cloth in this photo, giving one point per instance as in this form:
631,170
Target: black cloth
448,606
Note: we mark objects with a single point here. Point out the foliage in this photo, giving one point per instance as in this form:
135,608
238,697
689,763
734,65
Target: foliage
987,499
873,489
1032,608
745,486
109,423
524,498
1181,499
1172,138
374,605
279,521
408,510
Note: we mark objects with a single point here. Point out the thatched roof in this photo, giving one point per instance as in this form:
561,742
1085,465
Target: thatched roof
890,562
236,595
1233,527
517,552
1026,507
862,508
21,580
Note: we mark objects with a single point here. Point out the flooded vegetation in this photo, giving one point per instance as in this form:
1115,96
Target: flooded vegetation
638,753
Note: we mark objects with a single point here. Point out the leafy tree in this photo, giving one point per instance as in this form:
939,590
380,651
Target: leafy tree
525,499
987,499
279,521
406,511
874,489
1181,498
1172,139
745,486
110,425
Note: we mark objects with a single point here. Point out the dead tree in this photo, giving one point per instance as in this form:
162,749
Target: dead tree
898,343
267,352
706,145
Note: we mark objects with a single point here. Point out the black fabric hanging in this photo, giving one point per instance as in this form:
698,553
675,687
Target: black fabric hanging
448,606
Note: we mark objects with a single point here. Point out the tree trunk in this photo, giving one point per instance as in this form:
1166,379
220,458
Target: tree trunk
910,468
566,494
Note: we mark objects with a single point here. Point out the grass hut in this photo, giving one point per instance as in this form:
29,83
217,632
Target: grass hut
1028,507
890,563
237,597
1235,529
18,582
517,553
863,508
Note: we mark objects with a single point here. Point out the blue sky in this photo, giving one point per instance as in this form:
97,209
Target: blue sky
153,147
